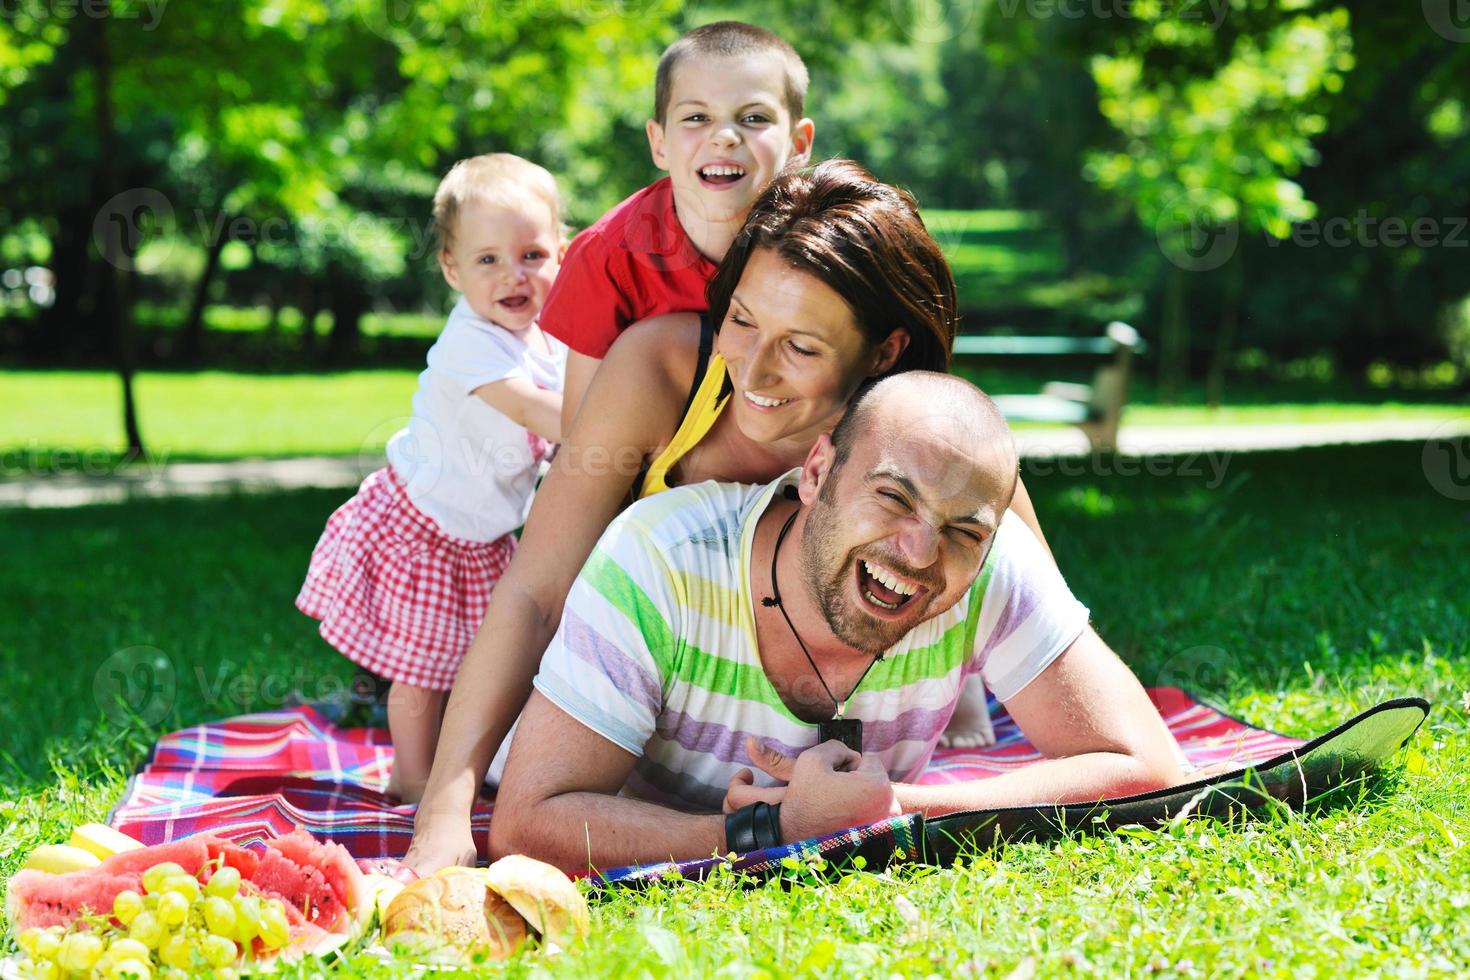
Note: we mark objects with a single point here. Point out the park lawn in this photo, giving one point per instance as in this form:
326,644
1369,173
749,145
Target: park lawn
1297,590
45,415
209,414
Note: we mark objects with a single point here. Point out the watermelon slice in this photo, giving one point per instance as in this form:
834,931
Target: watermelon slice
321,881
197,855
39,899
320,884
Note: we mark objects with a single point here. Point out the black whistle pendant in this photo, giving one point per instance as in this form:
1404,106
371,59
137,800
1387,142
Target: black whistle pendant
848,731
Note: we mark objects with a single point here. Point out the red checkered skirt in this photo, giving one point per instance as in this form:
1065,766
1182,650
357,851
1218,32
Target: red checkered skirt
394,593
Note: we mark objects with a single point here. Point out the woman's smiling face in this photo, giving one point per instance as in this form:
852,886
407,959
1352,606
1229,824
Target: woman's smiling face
794,352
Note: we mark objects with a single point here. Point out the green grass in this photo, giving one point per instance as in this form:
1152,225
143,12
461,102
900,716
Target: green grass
210,414
1301,588
46,415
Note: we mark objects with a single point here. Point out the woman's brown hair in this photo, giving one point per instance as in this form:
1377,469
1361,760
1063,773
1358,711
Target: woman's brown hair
865,240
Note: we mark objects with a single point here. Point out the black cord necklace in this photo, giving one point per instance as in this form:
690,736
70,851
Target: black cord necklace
848,731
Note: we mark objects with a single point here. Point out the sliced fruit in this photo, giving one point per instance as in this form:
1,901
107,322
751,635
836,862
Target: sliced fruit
322,881
319,888
196,855
37,899
60,859
102,840
391,867
378,890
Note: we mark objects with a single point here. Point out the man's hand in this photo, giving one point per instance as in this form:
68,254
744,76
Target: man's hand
435,847
829,787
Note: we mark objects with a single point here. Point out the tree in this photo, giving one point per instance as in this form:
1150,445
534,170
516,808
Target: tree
1209,147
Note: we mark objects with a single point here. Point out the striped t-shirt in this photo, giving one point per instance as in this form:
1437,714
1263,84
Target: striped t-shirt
656,650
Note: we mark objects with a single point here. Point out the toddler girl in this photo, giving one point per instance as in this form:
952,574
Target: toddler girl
402,574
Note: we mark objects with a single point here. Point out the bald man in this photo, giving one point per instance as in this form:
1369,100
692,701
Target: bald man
743,666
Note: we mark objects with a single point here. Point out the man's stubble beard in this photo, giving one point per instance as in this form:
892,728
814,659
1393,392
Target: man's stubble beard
817,551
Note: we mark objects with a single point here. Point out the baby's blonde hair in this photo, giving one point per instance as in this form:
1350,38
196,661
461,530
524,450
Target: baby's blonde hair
496,178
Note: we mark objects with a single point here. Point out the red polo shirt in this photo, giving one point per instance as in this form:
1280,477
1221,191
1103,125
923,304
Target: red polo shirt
635,262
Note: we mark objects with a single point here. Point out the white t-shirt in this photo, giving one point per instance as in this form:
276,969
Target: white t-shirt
466,466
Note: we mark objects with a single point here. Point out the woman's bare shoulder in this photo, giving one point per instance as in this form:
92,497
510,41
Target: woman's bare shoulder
661,350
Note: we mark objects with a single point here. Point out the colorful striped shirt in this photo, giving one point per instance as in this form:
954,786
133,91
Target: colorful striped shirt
656,650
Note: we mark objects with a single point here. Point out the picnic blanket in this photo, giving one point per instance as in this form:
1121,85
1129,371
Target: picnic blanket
258,776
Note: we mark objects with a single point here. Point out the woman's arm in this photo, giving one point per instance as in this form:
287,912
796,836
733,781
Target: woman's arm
580,371
633,405
1021,504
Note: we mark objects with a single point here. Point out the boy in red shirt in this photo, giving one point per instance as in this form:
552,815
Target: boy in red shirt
728,102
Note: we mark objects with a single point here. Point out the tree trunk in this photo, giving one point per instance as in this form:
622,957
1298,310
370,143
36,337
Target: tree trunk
1226,330
113,295
192,338
349,303
65,326
1174,344
309,302
273,322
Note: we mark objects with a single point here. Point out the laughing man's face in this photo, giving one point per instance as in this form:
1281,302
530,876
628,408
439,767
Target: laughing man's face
900,529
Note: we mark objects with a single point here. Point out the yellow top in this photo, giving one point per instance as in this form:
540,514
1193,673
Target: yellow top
707,405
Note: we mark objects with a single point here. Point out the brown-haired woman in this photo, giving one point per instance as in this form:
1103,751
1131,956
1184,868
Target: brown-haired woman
833,282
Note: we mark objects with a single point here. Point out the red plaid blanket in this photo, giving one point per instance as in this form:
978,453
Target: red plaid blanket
259,776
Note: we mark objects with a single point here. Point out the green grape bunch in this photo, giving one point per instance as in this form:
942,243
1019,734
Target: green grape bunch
176,926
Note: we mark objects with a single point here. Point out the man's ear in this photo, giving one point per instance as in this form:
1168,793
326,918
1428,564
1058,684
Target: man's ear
817,469
446,267
655,132
890,351
803,132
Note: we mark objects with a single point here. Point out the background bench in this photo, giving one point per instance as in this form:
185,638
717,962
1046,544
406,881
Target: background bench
1096,408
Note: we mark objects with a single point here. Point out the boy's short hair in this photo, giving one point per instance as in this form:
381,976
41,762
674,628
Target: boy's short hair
724,39
503,179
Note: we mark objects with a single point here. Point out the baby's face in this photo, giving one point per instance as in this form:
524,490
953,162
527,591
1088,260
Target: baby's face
503,259
726,133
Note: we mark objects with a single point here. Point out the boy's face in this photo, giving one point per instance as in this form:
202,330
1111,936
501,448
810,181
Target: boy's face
503,259
726,133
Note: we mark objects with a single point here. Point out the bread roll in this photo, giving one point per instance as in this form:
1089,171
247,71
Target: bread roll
543,894
454,908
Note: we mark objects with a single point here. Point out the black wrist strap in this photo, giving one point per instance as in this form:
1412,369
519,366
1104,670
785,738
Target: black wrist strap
753,828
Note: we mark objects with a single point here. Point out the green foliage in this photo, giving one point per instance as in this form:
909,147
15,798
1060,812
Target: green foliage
1228,140
310,134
